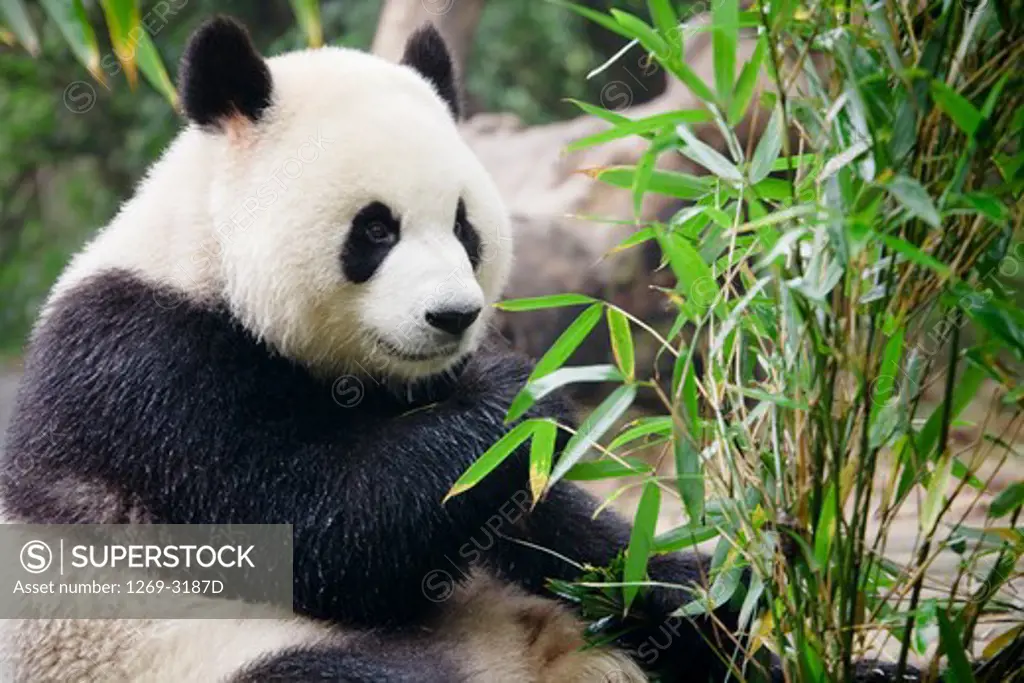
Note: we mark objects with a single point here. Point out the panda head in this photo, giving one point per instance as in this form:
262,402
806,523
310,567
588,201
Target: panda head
356,231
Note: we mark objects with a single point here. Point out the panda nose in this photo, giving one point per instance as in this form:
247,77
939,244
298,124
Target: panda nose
453,321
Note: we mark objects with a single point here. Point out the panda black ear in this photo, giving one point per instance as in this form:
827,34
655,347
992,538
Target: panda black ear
427,53
222,75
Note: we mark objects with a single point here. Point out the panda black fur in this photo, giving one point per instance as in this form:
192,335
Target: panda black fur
185,367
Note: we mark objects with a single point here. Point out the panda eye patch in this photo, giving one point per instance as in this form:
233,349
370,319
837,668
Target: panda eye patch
467,235
374,232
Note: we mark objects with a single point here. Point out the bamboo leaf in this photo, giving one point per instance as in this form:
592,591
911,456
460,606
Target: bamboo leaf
914,254
598,18
721,592
539,388
307,13
725,18
607,469
492,457
1008,500
622,342
957,107
542,449
640,541
950,635
599,112
71,19
124,27
768,148
648,426
152,67
745,84
541,302
665,19
683,537
644,126
689,477
915,199
695,279
637,28
935,494
593,428
1001,641
15,15
567,342
708,157
679,185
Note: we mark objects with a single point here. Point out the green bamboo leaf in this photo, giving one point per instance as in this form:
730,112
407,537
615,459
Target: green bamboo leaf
71,19
721,592
670,183
622,342
541,302
607,469
965,389
640,541
307,13
567,342
888,373
696,281
914,198
708,157
824,530
1008,500
774,398
725,18
15,15
683,537
957,107
915,255
665,19
152,67
123,26
1004,321
599,112
598,18
935,494
541,387
639,30
647,426
986,205
951,637
643,127
744,92
635,239
768,148
493,456
542,450
593,428
689,477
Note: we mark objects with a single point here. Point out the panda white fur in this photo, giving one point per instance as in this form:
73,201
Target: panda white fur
320,218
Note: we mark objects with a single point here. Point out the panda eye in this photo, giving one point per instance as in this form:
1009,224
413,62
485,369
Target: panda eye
379,233
375,231
467,235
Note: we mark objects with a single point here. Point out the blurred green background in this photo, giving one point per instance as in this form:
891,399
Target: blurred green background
63,172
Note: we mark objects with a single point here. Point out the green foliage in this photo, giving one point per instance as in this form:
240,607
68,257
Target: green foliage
828,276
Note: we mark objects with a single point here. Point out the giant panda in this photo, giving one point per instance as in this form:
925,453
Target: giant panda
318,232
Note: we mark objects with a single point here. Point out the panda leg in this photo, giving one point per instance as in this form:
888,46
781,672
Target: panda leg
352,663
